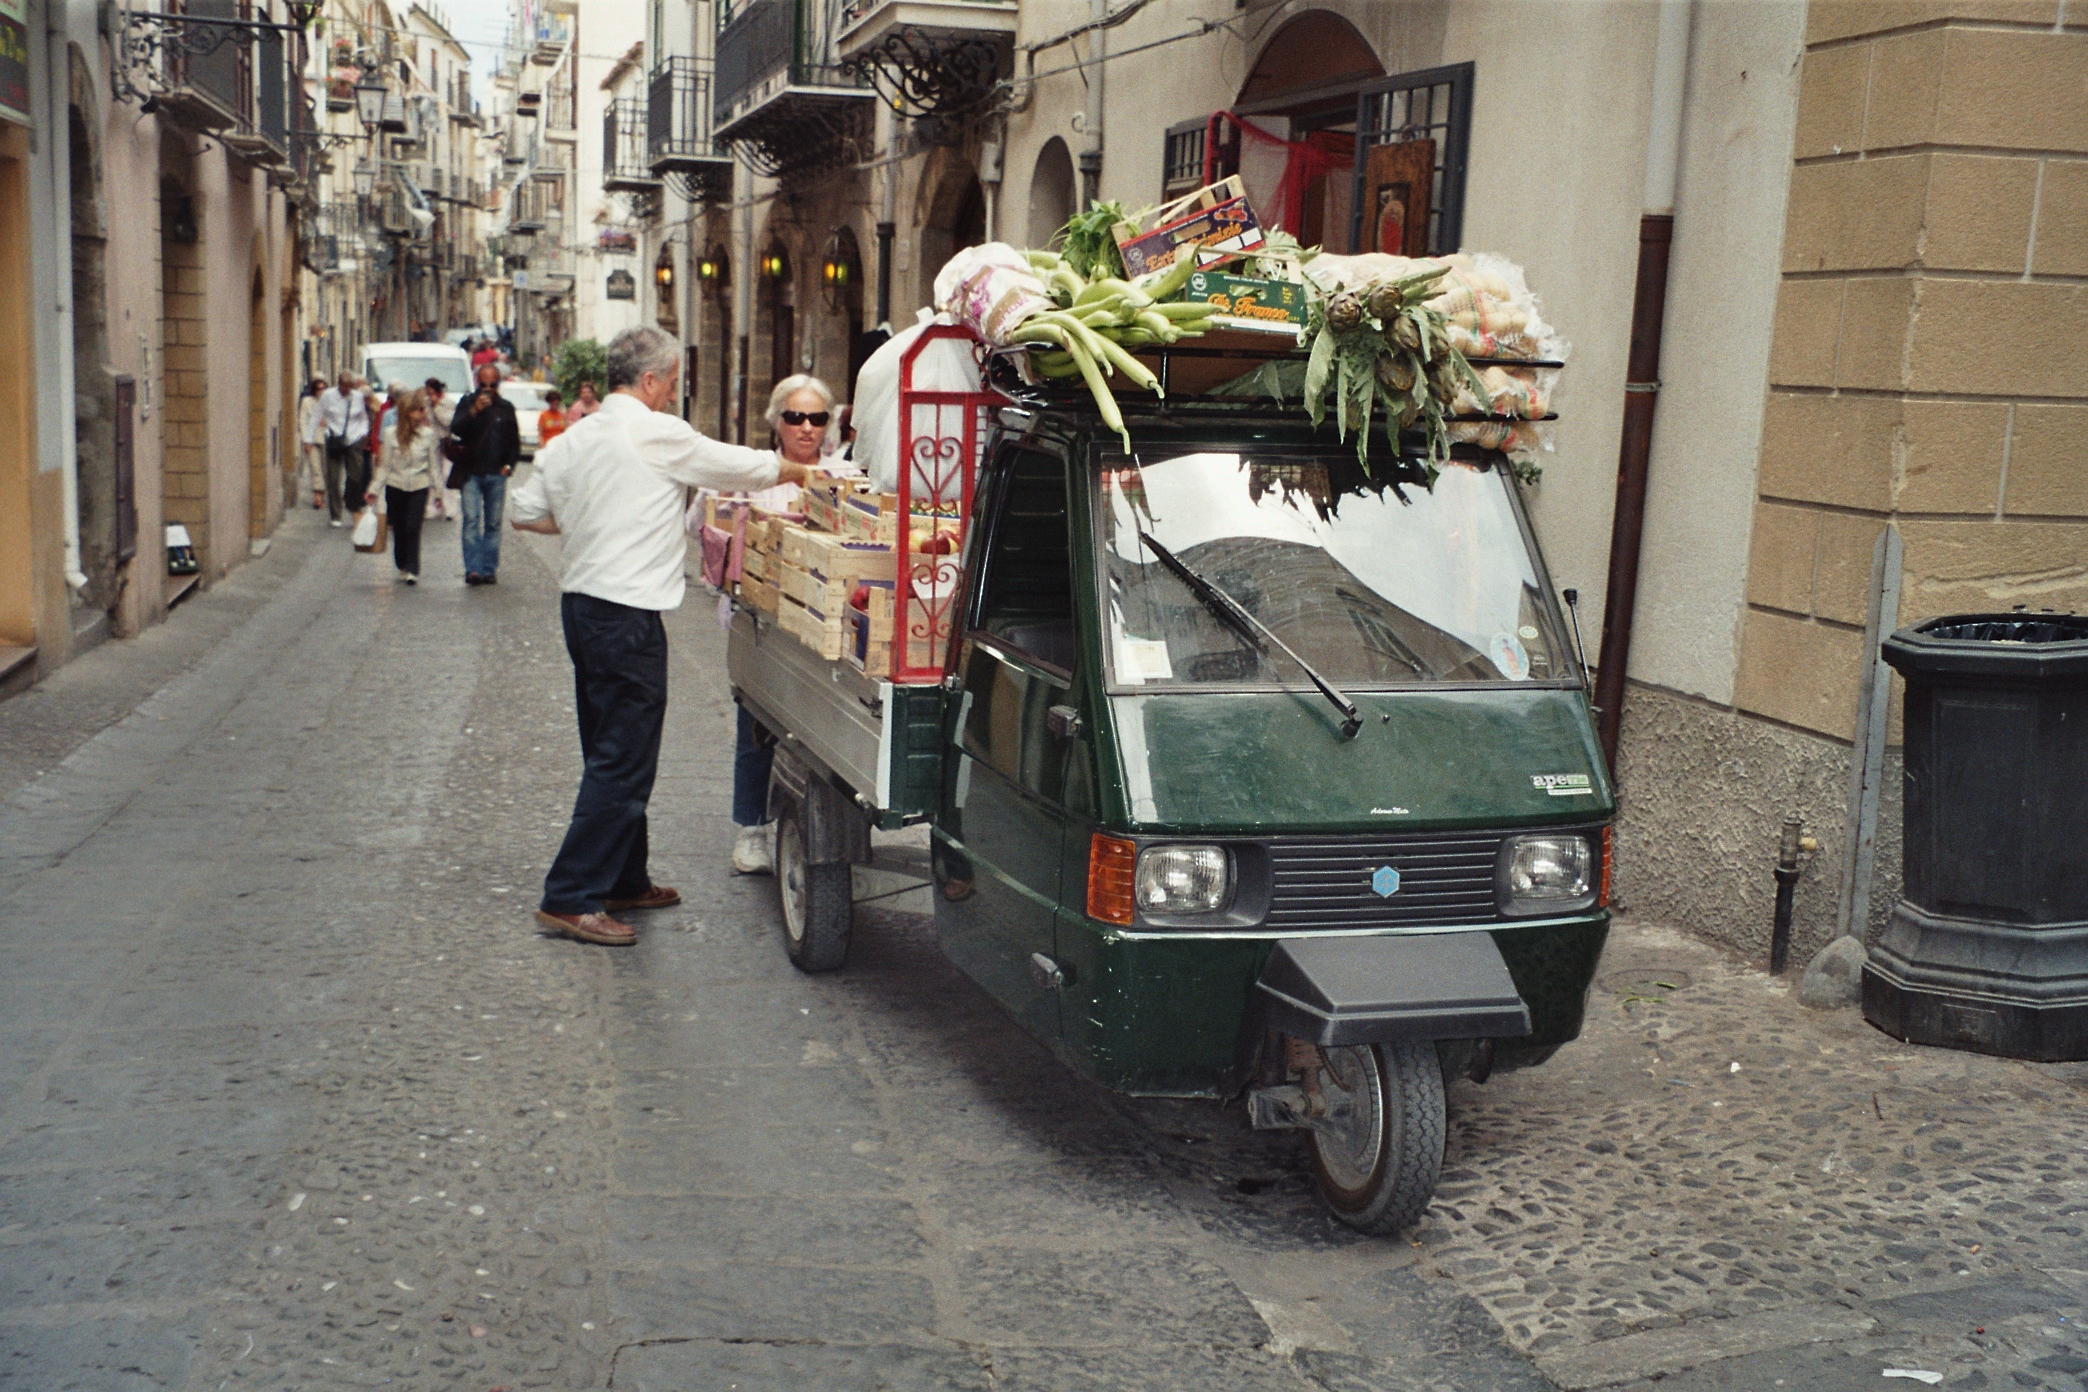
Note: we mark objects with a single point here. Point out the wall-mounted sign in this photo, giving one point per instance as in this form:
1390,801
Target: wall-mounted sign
521,280
622,286
14,60
619,239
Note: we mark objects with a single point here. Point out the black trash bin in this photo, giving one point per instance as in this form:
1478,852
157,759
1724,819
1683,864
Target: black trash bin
1987,949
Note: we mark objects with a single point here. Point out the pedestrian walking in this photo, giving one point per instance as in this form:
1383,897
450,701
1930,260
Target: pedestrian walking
344,411
409,466
311,442
485,425
442,500
802,422
586,401
551,421
485,353
614,486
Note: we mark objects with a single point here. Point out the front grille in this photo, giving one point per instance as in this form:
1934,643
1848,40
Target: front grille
1445,878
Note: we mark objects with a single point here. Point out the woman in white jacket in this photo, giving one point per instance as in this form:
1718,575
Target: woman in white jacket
410,465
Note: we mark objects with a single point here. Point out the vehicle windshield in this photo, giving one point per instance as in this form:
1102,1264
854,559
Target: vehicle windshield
1374,581
527,396
454,372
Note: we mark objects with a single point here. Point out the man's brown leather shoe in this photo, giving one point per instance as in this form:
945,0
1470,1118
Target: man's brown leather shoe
657,897
589,928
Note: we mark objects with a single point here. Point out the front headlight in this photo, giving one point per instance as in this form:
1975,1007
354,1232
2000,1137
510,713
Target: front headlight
1183,879
1548,873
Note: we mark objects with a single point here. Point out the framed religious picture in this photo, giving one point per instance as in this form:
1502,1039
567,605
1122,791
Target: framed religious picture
1397,183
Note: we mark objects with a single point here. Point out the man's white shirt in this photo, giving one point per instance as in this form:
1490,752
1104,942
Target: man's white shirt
345,416
617,483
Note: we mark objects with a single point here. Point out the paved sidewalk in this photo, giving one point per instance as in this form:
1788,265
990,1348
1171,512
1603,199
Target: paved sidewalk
300,1099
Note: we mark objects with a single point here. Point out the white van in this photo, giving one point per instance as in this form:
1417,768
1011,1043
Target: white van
414,363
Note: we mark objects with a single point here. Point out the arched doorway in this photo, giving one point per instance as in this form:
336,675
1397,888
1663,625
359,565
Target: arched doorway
107,503
1303,88
184,363
954,219
841,282
715,273
258,444
1052,192
772,353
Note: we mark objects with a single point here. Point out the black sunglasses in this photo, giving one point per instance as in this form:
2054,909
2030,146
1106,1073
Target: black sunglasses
818,418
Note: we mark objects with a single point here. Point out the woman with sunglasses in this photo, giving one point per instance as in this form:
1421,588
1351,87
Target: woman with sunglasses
801,414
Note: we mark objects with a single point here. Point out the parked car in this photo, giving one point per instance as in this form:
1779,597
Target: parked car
528,400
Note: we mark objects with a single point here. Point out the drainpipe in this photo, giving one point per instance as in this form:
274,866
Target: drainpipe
743,304
1098,64
59,130
1642,374
889,220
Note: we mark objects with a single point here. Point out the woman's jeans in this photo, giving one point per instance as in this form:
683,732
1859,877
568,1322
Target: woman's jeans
750,772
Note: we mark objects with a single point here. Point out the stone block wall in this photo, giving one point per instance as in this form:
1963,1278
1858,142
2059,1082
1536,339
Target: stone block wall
185,335
1930,360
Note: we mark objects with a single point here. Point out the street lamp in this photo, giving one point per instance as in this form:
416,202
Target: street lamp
365,177
369,100
664,274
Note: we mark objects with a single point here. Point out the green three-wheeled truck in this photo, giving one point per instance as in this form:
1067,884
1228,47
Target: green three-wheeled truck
1252,772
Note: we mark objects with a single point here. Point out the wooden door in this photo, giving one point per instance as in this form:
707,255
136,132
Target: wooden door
1398,181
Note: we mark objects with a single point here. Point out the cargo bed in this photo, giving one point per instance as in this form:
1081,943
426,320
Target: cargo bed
877,740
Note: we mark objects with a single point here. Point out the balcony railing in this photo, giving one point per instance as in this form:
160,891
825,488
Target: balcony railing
214,89
779,91
624,165
678,143
558,106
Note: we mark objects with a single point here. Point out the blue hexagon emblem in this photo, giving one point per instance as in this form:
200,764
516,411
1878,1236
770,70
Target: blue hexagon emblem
1384,881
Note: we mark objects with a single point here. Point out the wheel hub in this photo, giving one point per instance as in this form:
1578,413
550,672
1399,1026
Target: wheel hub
1351,1133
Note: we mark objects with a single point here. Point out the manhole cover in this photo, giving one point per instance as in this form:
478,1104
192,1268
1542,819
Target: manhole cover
1647,983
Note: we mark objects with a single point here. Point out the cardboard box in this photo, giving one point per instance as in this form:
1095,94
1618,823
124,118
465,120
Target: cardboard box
1249,302
1215,233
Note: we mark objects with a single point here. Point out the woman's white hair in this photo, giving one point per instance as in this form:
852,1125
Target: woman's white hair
804,381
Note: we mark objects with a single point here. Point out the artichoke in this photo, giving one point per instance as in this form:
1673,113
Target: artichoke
1344,312
1396,372
1406,333
1385,302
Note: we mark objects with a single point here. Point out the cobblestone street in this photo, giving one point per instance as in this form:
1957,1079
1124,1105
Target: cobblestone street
300,1098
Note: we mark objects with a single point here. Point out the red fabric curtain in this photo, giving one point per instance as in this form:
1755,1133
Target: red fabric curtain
1277,172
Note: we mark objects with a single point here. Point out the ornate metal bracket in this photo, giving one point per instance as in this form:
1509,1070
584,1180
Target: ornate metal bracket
923,75
144,40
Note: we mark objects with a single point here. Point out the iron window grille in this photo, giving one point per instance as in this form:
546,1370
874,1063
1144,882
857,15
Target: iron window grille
624,167
679,148
1433,104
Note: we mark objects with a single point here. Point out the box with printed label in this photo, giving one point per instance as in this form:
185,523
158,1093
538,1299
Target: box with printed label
1271,303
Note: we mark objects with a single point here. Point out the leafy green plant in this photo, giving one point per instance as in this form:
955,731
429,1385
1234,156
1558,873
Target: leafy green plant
1385,347
579,360
1088,247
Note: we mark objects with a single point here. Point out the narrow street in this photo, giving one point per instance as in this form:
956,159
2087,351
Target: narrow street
298,1096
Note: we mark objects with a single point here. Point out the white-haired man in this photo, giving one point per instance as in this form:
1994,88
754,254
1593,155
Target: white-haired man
615,486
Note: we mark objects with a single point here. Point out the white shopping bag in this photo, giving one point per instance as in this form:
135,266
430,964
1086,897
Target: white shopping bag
369,532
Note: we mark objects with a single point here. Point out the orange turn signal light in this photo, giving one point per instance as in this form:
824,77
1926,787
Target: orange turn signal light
1602,897
1112,863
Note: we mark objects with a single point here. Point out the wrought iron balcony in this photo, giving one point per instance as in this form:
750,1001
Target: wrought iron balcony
527,207
781,99
931,58
624,166
204,51
678,144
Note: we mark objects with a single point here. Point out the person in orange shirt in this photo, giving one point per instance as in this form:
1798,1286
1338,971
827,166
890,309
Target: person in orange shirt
551,421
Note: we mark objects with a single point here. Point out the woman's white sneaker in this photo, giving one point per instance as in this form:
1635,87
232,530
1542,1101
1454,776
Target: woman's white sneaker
753,853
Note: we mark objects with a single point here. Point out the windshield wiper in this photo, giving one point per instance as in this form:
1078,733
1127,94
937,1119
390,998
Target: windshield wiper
1254,631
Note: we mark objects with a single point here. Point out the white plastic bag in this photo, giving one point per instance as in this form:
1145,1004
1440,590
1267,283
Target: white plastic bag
366,530
944,365
991,290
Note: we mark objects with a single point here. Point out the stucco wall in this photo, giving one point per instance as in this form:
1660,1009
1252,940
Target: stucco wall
1742,103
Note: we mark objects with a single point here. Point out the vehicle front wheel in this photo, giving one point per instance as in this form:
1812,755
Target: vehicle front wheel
1379,1147
817,901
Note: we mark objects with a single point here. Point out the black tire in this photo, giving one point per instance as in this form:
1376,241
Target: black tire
818,905
1378,1157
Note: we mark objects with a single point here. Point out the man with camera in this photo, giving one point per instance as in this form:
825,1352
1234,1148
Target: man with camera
488,445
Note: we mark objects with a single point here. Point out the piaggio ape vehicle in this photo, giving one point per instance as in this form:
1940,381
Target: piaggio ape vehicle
1251,772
